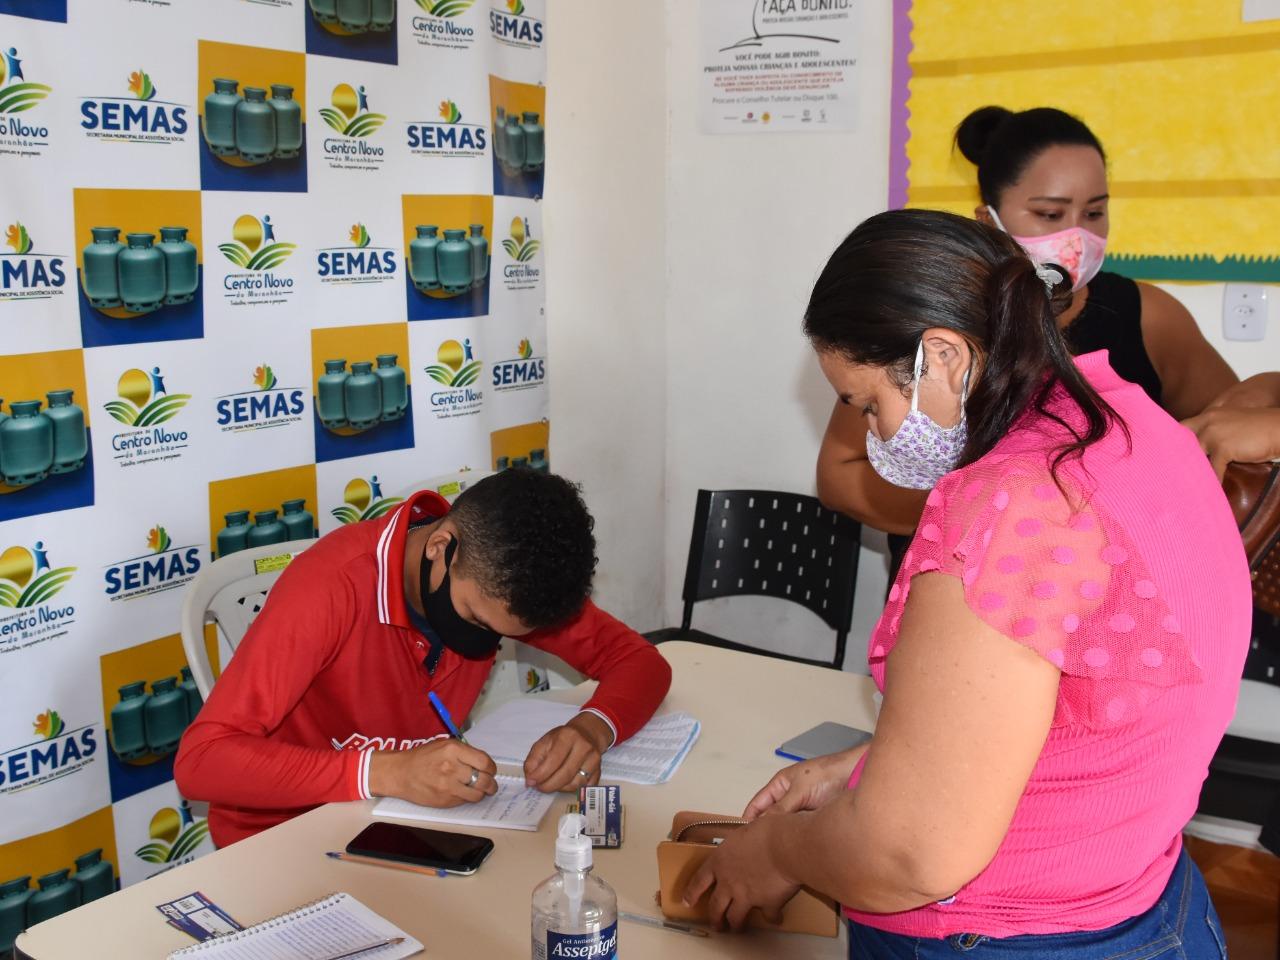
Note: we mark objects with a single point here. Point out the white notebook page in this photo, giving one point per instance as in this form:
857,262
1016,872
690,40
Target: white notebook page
653,755
513,807
329,927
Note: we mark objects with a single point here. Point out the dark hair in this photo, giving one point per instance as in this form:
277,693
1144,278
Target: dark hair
1001,143
526,538
903,272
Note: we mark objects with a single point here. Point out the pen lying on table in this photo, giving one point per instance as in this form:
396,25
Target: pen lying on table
389,864
664,924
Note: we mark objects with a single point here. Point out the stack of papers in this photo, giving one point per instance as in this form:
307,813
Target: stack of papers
651,756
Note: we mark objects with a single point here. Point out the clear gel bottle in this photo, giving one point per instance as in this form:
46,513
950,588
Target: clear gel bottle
575,914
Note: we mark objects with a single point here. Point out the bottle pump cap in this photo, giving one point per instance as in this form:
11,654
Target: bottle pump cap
573,848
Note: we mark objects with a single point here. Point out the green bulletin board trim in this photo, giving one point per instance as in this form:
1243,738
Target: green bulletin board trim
1201,268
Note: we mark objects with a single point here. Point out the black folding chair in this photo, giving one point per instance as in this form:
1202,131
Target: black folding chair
1243,784
765,543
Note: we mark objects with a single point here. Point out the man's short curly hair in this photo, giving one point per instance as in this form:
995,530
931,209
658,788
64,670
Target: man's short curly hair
526,538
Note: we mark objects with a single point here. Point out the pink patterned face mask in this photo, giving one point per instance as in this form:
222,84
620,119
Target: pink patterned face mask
1079,250
921,452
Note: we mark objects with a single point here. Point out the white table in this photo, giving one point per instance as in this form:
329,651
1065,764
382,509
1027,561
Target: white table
747,704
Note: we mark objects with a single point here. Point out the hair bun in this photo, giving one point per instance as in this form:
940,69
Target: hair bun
975,130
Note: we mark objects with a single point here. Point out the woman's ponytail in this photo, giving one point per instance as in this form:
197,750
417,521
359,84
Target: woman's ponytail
1026,357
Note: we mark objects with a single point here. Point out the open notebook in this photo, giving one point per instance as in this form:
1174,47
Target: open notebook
331,927
513,807
652,755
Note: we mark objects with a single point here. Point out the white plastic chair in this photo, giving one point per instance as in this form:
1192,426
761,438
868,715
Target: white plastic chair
448,485
229,593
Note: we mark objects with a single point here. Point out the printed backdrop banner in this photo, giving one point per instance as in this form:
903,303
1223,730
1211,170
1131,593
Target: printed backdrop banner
266,264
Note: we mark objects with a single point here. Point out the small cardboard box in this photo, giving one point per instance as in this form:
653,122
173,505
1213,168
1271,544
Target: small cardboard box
602,806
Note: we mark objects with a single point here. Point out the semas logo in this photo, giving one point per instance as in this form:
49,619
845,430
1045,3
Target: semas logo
165,567
514,27
57,753
267,405
139,118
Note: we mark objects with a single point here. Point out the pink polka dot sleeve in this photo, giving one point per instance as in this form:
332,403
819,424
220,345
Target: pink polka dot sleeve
1047,571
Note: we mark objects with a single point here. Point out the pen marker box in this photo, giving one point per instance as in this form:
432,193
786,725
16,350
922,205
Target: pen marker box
602,806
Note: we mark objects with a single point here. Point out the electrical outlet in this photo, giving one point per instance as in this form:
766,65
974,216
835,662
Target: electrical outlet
1244,311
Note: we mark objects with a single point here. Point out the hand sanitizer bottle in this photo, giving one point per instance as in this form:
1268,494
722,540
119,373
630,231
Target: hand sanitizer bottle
574,913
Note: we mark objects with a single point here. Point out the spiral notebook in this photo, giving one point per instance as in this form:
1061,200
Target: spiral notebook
334,926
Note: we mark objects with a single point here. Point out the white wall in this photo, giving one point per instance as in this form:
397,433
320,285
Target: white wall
1204,300
750,222
606,250
679,268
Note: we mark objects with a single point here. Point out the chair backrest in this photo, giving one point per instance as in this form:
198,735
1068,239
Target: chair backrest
783,545
448,485
229,593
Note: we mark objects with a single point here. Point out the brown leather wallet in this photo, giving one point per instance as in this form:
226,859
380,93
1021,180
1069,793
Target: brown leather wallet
693,837
1253,490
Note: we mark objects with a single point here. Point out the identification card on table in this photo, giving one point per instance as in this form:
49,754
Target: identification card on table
198,916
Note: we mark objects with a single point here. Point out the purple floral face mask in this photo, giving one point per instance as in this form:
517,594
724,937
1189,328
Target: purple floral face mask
921,452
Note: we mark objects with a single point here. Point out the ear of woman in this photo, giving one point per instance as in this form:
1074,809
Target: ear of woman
947,377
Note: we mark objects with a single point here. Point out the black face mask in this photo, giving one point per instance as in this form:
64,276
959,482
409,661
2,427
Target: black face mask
459,635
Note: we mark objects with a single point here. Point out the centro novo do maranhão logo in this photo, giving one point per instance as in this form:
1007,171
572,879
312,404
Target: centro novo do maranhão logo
144,400
48,724
363,500
254,245
446,8
17,95
524,350
27,578
263,377
359,235
350,114
175,834
457,366
521,246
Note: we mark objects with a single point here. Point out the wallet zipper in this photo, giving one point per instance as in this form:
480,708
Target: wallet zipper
707,823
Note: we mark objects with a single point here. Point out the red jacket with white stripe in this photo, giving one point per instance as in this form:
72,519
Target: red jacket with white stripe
332,669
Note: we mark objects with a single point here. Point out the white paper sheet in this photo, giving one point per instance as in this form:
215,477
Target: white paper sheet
651,756
513,807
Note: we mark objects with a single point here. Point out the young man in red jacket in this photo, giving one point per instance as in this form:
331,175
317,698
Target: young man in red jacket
326,696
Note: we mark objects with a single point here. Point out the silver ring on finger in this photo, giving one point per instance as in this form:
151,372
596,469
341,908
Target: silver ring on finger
584,775
475,775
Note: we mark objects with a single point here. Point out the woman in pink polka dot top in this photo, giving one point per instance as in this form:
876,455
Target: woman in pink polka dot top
1059,654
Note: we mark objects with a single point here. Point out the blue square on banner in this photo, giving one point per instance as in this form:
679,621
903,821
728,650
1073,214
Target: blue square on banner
422,306
389,435
375,46
55,10
523,184
58,491
128,779
274,176
181,322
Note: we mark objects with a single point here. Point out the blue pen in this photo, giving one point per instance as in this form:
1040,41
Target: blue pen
447,720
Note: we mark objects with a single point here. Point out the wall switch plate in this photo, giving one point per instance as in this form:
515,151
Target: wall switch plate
1244,311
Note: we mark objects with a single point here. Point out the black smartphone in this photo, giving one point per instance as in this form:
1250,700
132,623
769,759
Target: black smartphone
459,853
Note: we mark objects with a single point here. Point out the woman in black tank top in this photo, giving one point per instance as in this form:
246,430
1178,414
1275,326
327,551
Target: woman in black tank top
1042,178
